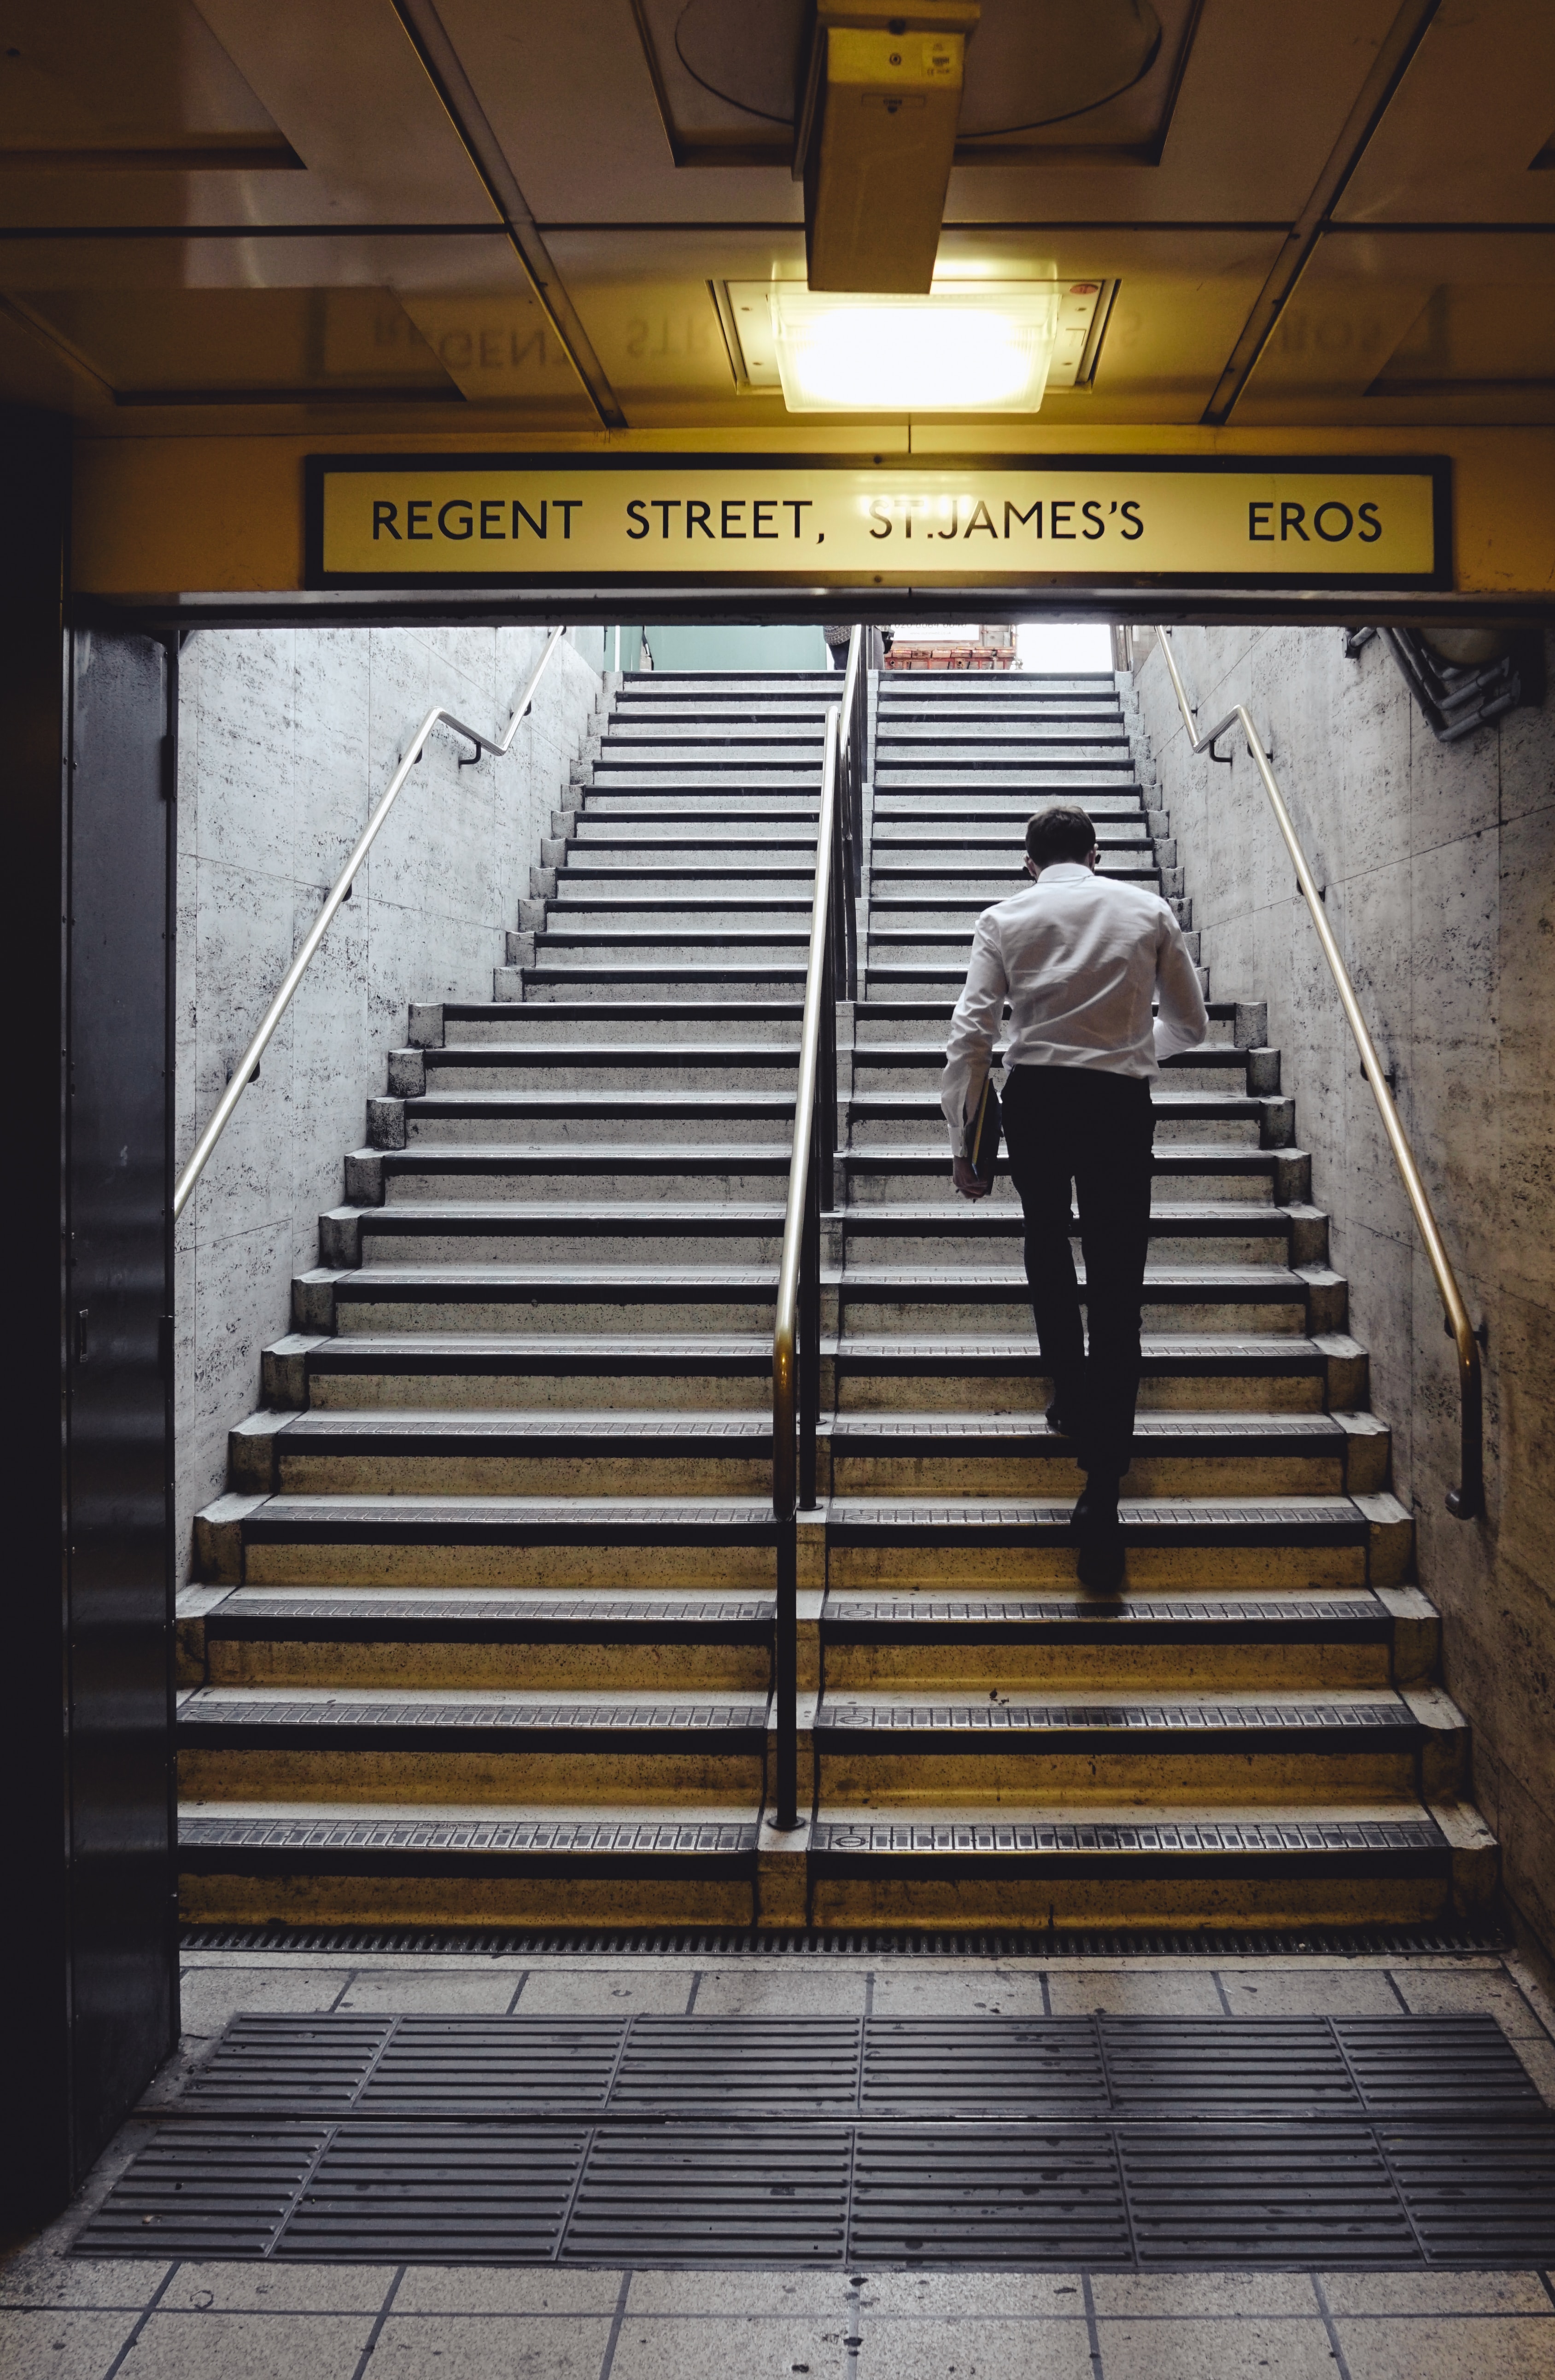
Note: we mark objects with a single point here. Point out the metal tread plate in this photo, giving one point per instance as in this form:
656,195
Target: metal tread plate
465,1837
1213,1837
995,1715
223,1714
1323,1519
519,1610
1135,2144
844,1611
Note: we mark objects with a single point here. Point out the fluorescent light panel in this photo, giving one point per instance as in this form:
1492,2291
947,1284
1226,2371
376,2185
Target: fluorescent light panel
968,348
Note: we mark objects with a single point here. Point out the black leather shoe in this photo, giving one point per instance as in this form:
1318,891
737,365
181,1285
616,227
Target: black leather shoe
1095,1522
1100,1564
1096,1509
1057,1423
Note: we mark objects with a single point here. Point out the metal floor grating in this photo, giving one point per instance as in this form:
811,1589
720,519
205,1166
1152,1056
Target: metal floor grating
1136,2142
729,1942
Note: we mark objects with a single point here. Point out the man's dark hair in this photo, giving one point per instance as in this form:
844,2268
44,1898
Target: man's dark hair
1063,833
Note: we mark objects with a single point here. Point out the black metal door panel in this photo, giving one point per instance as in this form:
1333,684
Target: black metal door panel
117,1343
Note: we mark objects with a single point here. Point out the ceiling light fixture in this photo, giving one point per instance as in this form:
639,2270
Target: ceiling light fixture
972,347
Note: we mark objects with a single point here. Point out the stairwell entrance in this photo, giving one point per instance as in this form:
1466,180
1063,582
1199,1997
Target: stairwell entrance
484,1627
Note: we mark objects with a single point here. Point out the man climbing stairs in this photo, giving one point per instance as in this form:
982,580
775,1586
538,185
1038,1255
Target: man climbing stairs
483,1631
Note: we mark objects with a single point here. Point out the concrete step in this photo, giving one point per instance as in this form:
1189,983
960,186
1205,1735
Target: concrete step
905,1232
891,1017
634,1863
862,1372
904,824
666,944
765,980
982,1234
1105,1861
537,1297
913,1063
980,739
1265,1119
627,789
1263,1298
602,1116
880,1746
1359,1637
892,910
882,1171
686,758
432,1450
624,1863
523,1370
880,1371
619,1020
628,1230
465,1746
388,1637
561,1544
470,1067
956,1545
623,842
556,1170
611,890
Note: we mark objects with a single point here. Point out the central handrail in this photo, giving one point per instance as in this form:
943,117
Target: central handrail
1466,1500
243,1073
831,975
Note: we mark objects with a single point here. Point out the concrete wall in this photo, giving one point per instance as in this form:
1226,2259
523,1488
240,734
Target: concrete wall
287,739
1439,866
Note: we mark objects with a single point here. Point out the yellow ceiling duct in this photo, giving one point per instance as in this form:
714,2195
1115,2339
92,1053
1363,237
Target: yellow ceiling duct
876,138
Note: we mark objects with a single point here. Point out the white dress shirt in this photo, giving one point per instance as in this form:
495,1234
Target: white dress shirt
1080,958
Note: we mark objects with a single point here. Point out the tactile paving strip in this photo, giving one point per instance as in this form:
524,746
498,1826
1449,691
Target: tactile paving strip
1128,2142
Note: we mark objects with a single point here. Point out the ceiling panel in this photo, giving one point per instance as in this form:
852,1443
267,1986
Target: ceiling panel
345,85
448,318
1462,135
1263,98
80,76
1098,75
1414,327
570,98
222,341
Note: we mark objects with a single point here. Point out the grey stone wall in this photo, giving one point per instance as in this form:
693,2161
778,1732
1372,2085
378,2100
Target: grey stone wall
1439,868
287,739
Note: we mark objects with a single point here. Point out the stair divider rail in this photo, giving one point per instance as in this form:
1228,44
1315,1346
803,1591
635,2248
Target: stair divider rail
832,976
243,1073
1466,1500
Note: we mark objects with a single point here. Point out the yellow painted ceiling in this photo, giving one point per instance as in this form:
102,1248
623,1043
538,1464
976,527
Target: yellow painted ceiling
480,215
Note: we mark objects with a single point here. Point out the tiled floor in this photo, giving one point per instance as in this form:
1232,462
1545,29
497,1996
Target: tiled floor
70,2320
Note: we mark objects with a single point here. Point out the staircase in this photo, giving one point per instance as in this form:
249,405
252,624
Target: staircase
483,1631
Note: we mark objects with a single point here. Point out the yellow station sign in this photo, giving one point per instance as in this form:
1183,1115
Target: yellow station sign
410,520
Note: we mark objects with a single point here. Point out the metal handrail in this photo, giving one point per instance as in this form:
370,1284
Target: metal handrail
1466,1500
243,1071
831,975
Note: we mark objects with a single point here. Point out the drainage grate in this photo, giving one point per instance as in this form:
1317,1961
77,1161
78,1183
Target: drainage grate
437,2193
988,2198
763,2195
1318,2194
721,1942
1106,2141
1121,2068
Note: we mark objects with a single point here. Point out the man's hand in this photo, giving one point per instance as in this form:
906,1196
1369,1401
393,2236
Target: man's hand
968,1184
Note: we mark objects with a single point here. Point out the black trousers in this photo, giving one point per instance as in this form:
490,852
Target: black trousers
1067,1124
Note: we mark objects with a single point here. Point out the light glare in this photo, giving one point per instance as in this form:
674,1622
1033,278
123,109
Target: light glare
956,351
